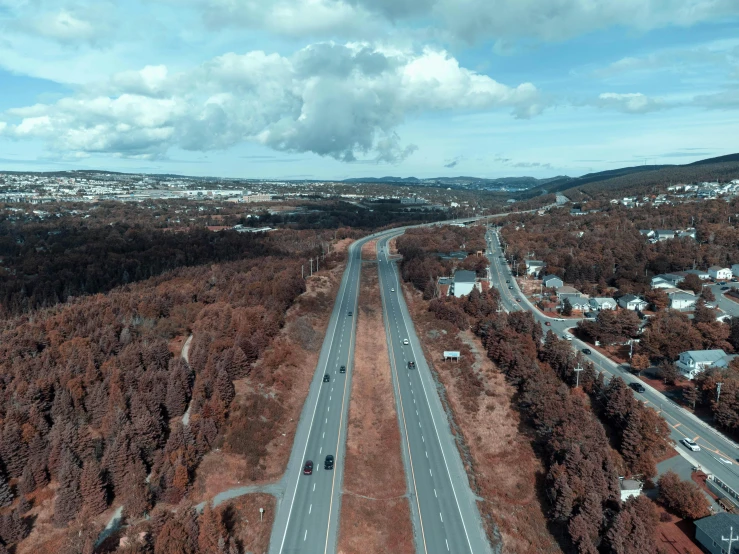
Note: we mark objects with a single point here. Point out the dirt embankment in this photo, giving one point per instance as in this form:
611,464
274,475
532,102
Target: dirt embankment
375,514
293,354
369,250
496,450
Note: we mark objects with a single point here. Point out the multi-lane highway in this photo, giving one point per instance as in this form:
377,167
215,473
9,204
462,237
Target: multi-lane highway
307,517
718,454
443,507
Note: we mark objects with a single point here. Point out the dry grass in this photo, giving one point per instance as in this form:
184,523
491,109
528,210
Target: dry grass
375,515
499,457
253,533
369,250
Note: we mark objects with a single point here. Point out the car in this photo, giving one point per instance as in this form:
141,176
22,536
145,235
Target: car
308,468
329,462
392,290
411,364
326,378
734,280
510,287
547,323
638,387
722,282
559,319
405,341
349,313
518,299
725,288
587,351
568,337
507,280
690,444
725,461
342,369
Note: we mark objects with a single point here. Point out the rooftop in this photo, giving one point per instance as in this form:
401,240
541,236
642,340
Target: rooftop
718,525
464,276
706,355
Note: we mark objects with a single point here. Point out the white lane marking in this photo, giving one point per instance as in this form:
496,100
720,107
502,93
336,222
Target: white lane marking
328,410
326,420
419,423
447,544
306,535
314,487
310,509
324,435
427,454
436,495
320,451
441,518
430,473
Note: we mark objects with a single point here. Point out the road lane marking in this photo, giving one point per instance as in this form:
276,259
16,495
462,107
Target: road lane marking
314,487
436,495
310,509
306,535
441,518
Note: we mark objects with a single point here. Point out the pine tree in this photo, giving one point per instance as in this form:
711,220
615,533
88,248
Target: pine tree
13,449
37,460
225,388
69,499
93,489
27,483
6,495
211,530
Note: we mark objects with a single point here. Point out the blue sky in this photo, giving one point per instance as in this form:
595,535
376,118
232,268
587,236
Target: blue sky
331,89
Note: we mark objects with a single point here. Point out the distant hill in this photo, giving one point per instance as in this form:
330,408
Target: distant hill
461,182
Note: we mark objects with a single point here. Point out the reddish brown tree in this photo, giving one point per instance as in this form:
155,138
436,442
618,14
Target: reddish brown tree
683,498
92,488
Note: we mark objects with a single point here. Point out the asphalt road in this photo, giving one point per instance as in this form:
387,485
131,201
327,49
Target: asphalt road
718,454
445,514
307,517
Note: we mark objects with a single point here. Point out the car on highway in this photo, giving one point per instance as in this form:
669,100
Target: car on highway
326,378
411,364
638,387
690,444
548,324
329,462
342,369
405,341
587,351
510,287
507,280
349,313
518,299
392,290
308,468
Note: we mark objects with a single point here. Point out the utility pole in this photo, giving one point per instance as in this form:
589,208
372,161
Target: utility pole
731,540
718,391
577,371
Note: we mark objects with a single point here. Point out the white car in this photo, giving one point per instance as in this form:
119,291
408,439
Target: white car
690,445
392,290
405,341
568,337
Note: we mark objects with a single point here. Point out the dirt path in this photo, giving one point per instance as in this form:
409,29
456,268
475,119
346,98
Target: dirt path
375,514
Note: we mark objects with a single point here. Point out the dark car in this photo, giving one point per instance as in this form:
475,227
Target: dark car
638,387
507,280
587,351
518,299
411,364
547,323
308,468
326,378
349,313
342,369
725,288
510,287
329,463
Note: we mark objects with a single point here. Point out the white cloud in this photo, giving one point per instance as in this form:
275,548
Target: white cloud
335,100
635,103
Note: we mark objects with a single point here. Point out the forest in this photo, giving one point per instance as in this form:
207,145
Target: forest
96,409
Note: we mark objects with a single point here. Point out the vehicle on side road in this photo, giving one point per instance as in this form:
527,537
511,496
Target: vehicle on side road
568,337
548,323
326,378
308,468
690,444
329,462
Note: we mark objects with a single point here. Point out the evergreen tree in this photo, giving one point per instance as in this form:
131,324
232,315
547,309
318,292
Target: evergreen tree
6,495
68,499
93,489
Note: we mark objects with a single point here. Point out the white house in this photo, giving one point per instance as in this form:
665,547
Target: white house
664,234
682,300
719,273
463,283
631,302
533,267
599,304
661,283
577,302
693,362
629,488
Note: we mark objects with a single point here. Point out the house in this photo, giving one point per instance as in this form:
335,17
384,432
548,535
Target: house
599,304
702,274
719,273
578,303
647,233
463,282
568,292
664,234
552,282
443,285
631,302
673,278
687,234
682,300
735,270
533,267
629,488
661,283
693,362
711,531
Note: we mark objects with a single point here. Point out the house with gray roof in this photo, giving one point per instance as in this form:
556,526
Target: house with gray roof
682,300
463,282
693,362
632,302
552,282
711,531
604,303
664,234
533,267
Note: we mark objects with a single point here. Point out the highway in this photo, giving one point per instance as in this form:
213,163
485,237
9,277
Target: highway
307,517
718,454
443,508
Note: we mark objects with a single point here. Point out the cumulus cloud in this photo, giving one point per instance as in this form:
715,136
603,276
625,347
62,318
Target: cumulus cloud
634,102
342,101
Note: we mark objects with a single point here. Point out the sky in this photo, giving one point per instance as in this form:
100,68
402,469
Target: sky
331,89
